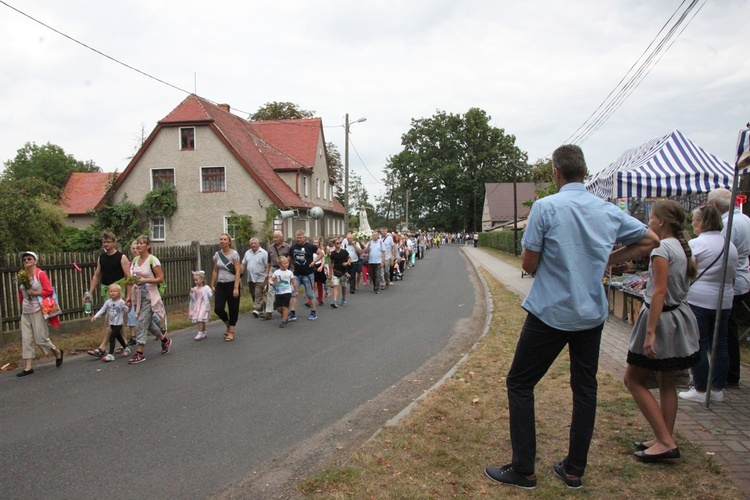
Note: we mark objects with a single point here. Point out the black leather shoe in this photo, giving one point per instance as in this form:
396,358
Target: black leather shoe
667,455
640,445
23,373
58,361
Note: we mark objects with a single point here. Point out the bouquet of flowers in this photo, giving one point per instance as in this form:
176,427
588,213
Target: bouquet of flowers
362,236
24,281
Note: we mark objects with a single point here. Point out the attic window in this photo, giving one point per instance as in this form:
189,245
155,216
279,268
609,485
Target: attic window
213,180
187,138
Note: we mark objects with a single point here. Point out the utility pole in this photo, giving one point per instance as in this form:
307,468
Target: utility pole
346,173
407,209
346,168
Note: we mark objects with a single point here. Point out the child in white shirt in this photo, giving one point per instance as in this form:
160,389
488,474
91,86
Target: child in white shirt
282,280
115,308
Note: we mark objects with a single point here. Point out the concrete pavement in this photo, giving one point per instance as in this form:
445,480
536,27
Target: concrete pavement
723,429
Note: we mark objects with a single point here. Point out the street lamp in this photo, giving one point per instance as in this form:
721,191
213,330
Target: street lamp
346,168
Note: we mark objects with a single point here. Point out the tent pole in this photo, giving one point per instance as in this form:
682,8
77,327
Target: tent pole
725,258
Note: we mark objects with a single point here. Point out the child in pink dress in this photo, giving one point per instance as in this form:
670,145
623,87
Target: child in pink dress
200,303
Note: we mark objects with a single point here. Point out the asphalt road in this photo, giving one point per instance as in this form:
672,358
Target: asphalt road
211,417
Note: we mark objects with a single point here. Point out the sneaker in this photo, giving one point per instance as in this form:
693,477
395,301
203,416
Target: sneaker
131,341
313,316
334,305
165,345
292,317
717,396
108,357
138,357
256,314
125,352
201,336
283,324
507,475
343,302
693,395
572,482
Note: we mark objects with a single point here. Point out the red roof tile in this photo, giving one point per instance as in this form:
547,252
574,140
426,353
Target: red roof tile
84,191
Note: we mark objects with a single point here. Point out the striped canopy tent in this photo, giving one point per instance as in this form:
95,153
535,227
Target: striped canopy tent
668,166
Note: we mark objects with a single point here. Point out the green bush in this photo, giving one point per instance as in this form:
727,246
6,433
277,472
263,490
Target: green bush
500,240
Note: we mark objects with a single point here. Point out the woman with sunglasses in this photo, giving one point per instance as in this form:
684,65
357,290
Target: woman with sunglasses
34,328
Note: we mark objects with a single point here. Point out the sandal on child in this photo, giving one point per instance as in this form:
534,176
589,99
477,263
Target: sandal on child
98,352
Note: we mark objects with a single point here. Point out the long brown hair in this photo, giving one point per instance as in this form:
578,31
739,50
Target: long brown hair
671,213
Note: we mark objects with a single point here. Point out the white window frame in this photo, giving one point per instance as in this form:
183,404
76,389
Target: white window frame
157,224
318,186
229,230
179,140
203,188
151,176
305,187
325,187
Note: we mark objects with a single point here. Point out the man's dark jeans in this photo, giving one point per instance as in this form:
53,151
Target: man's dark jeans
538,347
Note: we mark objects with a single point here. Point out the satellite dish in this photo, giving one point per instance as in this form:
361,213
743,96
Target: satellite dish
316,213
285,214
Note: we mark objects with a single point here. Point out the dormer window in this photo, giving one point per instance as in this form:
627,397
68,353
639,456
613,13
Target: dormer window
187,138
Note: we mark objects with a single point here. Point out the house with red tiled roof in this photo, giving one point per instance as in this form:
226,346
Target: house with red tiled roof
498,202
219,162
83,193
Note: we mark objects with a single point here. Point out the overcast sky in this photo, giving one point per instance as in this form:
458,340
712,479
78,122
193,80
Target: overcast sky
538,68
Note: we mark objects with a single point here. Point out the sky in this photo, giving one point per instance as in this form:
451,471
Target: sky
538,68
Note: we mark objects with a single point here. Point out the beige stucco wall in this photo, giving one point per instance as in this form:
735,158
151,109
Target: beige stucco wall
80,221
200,216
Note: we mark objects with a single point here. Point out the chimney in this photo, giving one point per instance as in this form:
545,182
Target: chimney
225,107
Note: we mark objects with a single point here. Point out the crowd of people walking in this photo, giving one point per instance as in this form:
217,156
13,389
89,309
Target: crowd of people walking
308,273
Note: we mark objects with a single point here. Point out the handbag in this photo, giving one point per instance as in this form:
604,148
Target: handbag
227,264
162,287
709,267
50,305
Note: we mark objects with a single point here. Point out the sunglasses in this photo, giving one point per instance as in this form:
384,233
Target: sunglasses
28,258
337,243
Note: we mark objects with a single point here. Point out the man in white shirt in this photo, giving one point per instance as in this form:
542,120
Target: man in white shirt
721,199
355,266
385,270
255,262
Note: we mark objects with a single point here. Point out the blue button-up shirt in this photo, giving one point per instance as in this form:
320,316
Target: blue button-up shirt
574,231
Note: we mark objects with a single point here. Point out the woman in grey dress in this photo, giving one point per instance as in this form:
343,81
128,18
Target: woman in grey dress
665,336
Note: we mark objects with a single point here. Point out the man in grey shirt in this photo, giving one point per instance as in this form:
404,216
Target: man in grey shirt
721,199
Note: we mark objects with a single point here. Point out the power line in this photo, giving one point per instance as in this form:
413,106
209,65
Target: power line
113,59
621,91
363,163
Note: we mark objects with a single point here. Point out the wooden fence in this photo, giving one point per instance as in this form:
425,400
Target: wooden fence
71,273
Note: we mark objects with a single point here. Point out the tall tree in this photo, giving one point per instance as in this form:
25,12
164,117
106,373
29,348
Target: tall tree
31,220
280,111
48,163
444,165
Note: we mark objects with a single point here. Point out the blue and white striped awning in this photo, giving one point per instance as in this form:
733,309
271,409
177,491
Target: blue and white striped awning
669,166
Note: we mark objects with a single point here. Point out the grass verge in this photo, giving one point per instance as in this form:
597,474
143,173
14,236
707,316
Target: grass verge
440,449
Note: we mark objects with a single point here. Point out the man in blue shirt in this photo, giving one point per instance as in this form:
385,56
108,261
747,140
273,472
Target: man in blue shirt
567,242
